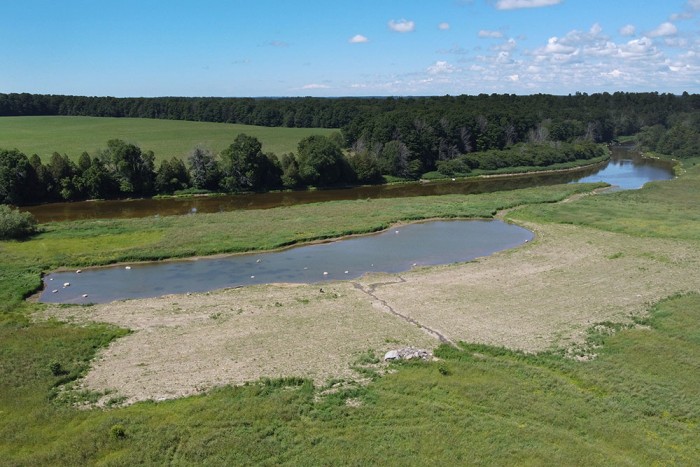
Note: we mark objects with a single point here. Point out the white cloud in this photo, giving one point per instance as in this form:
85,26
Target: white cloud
584,59
402,25
315,86
490,34
444,26
628,30
515,4
441,67
508,45
664,29
555,46
601,49
504,57
596,29
616,74
358,39
637,48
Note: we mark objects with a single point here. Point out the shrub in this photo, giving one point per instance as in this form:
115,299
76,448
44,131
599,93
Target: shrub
15,224
118,431
56,369
444,370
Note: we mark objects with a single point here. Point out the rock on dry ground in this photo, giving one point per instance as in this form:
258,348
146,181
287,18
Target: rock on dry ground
544,294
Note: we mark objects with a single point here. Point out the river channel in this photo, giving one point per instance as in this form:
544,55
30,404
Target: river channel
626,169
395,250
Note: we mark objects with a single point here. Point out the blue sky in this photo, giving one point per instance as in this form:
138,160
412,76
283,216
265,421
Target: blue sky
348,48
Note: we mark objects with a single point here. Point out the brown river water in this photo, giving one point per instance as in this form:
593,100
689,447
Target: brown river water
626,169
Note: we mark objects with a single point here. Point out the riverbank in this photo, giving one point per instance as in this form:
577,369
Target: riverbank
631,401
565,167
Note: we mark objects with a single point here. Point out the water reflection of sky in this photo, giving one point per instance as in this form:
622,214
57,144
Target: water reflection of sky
627,175
396,250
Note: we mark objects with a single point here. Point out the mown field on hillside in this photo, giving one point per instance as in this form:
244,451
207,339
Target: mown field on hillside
629,398
166,138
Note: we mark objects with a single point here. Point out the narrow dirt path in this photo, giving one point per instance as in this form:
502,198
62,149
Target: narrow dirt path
370,289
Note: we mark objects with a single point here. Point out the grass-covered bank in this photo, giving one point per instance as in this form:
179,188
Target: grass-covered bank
635,404
662,209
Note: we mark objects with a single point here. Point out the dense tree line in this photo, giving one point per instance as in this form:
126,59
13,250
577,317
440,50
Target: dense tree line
123,170
403,137
615,114
521,155
680,138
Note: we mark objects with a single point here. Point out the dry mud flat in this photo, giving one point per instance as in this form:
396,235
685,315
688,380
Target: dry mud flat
544,294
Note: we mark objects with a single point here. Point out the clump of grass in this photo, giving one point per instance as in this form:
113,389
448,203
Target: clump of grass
117,431
56,368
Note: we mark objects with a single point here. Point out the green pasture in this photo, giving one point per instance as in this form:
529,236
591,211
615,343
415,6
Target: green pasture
166,138
637,403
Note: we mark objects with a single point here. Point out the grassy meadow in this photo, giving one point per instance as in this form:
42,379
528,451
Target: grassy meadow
166,138
636,403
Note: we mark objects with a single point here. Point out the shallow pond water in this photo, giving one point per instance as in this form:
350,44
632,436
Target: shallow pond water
629,171
395,250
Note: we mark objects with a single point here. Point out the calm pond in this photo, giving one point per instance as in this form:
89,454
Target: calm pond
626,169
395,250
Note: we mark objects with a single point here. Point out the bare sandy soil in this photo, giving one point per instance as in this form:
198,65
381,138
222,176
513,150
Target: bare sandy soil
542,295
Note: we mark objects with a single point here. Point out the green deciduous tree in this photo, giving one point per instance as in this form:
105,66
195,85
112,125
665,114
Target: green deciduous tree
17,176
246,168
171,176
321,162
97,182
204,169
366,167
133,169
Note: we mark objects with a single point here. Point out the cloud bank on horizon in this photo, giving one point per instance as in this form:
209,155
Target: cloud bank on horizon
363,47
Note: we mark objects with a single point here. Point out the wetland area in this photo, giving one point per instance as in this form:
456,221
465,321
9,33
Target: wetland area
528,298
417,245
